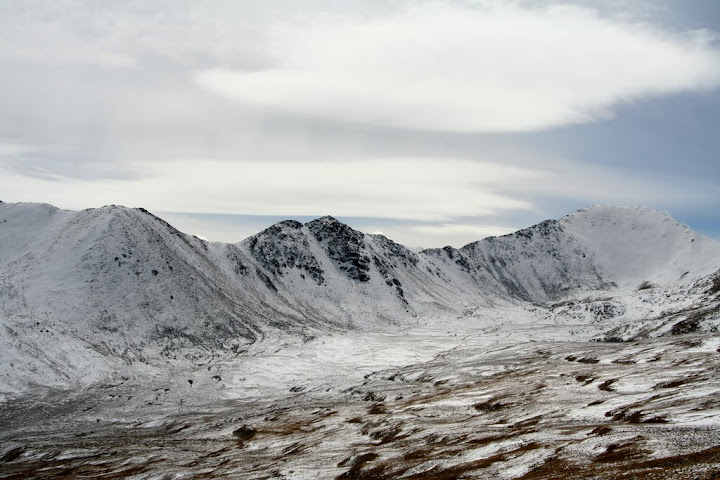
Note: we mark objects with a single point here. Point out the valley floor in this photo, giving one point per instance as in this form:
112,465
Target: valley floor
499,395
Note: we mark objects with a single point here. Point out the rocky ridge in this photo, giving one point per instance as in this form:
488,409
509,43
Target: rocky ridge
116,286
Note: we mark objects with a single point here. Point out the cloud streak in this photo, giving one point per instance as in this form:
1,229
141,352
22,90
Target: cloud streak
451,198
452,67
413,189
391,114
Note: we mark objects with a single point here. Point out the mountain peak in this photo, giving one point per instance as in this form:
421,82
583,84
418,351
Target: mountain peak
292,224
327,227
283,247
325,220
343,245
615,211
642,244
278,228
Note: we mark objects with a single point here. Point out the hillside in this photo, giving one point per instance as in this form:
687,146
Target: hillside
586,346
97,292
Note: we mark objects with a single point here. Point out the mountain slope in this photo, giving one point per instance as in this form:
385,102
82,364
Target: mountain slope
340,276
538,263
637,244
23,223
597,248
101,291
120,283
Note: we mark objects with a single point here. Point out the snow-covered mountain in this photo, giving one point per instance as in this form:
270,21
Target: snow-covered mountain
84,294
597,248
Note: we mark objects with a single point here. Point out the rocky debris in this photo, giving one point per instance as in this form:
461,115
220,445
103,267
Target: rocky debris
245,432
606,310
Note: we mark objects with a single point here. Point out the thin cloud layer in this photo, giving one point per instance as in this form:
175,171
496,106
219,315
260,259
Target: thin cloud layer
453,67
291,108
439,194
457,233
412,189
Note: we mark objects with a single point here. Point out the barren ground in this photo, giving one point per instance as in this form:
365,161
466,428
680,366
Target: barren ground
512,400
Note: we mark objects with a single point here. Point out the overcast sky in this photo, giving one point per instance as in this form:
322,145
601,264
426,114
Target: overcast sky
434,122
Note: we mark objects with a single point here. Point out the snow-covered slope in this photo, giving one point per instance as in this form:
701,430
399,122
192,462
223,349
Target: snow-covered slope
108,290
597,248
636,244
24,223
538,263
121,284
336,275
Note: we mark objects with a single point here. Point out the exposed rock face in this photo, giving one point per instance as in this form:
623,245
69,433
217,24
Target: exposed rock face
344,246
285,246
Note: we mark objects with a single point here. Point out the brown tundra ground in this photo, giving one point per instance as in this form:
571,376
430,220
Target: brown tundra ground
528,402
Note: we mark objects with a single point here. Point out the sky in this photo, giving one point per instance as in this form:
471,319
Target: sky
434,122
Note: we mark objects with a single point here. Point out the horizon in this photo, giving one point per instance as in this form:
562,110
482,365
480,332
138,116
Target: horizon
435,122
271,221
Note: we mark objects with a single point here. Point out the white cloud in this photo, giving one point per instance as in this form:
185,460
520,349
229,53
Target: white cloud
215,228
441,234
449,66
9,148
404,188
427,235
98,105
471,232
440,190
455,201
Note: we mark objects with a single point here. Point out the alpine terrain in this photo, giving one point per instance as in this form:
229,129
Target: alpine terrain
585,347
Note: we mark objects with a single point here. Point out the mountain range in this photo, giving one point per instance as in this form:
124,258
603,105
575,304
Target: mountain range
87,294
584,347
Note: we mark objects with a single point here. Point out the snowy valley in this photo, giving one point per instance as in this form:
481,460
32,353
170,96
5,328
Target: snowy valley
585,347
